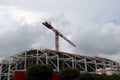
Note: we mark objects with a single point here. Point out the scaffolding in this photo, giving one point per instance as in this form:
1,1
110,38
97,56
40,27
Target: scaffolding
59,61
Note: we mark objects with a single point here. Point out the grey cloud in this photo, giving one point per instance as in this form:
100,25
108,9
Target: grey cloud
87,23
98,40
23,37
77,6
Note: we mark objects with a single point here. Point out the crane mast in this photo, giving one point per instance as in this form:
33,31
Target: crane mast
57,34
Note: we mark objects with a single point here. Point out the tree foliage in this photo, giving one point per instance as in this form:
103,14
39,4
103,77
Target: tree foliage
98,77
90,76
69,74
86,76
113,77
39,72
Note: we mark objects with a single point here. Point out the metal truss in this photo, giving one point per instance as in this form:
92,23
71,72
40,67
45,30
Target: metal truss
59,61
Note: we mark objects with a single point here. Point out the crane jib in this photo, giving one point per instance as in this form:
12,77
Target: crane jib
57,34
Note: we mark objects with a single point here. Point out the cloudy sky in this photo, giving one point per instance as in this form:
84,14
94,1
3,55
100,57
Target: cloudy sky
93,25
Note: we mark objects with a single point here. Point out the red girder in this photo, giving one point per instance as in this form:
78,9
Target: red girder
57,34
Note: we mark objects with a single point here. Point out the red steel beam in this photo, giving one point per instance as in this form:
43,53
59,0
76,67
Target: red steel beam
57,34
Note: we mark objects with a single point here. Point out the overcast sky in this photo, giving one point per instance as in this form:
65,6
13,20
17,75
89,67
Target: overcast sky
93,25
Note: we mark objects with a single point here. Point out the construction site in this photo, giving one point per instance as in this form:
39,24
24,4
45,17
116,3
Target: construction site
58,59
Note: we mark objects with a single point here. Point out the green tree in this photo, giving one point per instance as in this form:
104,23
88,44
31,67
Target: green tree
98,77
39,72
113,77
86,76
69,74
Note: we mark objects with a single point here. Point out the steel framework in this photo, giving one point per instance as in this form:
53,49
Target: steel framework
59,60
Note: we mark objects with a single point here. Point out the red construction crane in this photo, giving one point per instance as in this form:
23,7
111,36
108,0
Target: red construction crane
57,34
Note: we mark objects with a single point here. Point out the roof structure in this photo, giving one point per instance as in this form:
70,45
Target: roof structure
59,60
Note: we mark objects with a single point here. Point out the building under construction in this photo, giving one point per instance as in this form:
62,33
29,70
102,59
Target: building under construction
59,60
